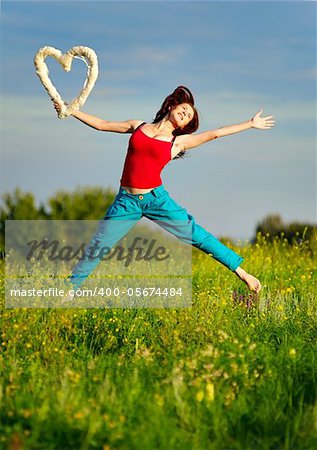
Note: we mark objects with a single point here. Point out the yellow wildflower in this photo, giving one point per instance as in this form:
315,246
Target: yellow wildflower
210,392
200,396
292,352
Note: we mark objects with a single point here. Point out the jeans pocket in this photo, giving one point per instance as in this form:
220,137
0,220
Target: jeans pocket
160,201
163,195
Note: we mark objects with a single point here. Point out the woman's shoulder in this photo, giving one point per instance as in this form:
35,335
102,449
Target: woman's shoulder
137,124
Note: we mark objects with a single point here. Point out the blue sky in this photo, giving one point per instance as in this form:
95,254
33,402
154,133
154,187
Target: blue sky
236,57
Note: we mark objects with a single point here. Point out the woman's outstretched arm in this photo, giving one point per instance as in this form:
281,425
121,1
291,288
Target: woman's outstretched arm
188,141
127,126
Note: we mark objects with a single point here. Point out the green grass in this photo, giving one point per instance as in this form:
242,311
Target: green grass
215,376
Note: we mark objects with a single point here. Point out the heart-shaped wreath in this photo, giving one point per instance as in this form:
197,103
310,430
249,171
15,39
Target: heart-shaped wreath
65,60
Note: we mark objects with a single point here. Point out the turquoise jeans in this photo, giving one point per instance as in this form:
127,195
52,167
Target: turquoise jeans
127,209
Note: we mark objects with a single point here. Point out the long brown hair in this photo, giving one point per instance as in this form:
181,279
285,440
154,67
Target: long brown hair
180,95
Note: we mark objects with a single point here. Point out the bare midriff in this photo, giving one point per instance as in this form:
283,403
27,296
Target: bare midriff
133,190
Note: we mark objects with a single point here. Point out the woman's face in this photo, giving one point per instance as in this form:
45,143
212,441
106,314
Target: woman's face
181,115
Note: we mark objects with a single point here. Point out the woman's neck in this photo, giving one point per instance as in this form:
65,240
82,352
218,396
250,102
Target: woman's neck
165,126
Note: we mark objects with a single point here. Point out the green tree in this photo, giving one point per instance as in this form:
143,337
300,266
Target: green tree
294,232
84,203
18,205
271,224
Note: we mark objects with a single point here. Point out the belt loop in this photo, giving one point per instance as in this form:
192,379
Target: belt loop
157,191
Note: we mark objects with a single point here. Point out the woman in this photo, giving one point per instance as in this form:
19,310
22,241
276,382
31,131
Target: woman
142,193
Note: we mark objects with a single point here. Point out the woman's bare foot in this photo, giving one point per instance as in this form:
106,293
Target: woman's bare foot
252,282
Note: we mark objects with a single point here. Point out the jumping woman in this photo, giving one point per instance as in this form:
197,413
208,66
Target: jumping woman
141,192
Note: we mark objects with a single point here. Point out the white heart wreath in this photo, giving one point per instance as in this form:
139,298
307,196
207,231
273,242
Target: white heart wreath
66,60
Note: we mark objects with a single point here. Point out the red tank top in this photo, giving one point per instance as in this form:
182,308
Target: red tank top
145,160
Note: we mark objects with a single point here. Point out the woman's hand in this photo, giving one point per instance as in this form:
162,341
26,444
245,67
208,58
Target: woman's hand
262,123
58,107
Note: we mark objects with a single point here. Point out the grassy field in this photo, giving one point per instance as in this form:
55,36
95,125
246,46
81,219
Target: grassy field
220,375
